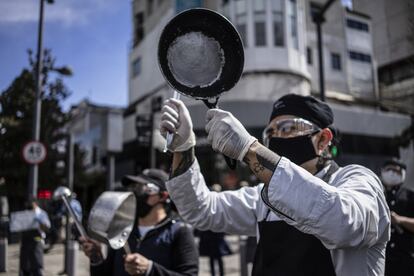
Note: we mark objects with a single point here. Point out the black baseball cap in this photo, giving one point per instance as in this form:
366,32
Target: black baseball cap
305,107
155,176
395,162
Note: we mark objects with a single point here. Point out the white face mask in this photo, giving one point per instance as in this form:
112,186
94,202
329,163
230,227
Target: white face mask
392,178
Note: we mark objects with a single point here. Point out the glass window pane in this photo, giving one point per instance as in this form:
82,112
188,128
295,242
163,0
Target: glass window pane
292,7
136,67
241,19
259,5
336,61
277,5
293,23
240,6
260,38
278,29
309,55
241,28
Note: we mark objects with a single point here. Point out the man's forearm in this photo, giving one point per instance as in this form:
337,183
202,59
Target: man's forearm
262,161
182,161
407,223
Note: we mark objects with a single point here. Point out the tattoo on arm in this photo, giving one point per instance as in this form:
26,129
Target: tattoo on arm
187,159
267,158
262,162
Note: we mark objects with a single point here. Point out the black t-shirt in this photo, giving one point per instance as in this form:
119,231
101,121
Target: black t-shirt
400,201
170,245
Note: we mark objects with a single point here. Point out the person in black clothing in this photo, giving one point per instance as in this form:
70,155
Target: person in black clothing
213,244
31,248
400,248
160,244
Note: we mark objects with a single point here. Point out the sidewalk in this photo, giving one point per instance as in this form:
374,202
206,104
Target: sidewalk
53,261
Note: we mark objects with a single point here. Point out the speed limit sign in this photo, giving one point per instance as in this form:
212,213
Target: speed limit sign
34,152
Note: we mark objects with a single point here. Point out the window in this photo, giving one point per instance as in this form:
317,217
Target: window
139,28
136,67
240,7
398,71
309,56
293,23
225,8
241,20
260,23
259,5
336,61
260,38
357,25
278,32
150,4
359,56
95,155
241,28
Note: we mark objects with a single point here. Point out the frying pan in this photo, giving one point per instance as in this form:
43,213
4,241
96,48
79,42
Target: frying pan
200,54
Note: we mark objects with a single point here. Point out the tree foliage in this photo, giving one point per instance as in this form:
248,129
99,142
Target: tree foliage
16,115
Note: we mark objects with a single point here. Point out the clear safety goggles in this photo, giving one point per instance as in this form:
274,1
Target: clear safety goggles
149,189
393,168
288,128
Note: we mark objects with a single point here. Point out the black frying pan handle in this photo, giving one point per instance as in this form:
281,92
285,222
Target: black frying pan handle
231,163
211,105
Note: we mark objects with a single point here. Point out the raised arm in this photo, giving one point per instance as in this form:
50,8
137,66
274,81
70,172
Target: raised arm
232,212
350,212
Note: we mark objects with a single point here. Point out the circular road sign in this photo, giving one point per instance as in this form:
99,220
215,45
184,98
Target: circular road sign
34,152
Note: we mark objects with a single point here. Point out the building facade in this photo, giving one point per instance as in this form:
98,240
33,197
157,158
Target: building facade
96,131
280,57
393,37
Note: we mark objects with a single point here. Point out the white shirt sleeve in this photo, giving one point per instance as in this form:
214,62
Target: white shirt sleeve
351,211
42,217
232,212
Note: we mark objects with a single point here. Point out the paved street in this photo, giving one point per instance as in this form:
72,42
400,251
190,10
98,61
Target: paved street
54,261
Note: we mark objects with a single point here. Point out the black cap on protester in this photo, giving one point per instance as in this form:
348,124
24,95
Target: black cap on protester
395,162
154,176
305,107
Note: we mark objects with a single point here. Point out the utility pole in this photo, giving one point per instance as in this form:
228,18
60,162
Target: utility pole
71,245
34,169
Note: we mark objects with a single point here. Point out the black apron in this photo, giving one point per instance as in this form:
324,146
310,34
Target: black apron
283,250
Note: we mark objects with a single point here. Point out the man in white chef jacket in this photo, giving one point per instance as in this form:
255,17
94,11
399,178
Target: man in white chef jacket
311,217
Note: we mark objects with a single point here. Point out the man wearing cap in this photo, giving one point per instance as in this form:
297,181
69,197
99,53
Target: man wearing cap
400,248
160,245
310,216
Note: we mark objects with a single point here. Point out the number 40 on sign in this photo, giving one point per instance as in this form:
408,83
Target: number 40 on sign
34,152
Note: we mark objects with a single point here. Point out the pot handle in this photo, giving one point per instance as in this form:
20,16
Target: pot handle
170,135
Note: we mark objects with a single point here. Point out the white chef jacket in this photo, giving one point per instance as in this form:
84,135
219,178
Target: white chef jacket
349,215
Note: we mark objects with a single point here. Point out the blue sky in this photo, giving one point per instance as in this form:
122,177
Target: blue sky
90,36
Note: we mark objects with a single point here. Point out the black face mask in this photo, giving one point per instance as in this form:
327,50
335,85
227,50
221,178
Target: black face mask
143,208
297,149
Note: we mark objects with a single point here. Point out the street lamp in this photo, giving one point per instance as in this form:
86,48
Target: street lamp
318,18
34,169
64,70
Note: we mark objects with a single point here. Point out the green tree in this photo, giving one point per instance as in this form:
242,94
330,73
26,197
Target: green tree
16,115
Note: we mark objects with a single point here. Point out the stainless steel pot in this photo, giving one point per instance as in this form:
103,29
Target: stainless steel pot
112,219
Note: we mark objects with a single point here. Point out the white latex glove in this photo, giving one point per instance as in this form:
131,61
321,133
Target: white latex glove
227,135
176,119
